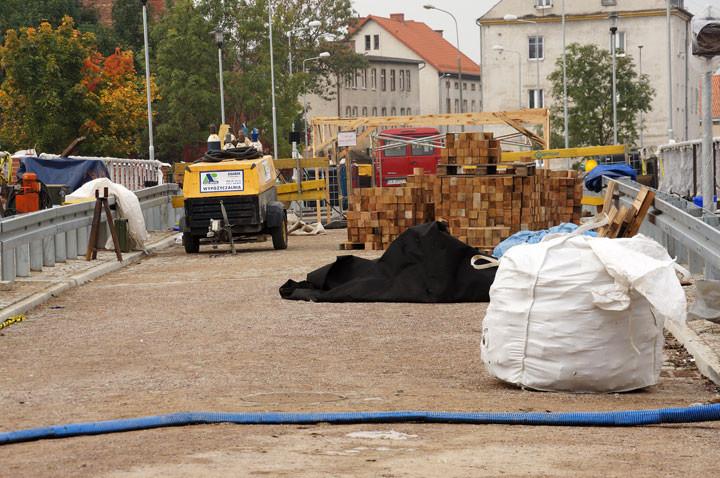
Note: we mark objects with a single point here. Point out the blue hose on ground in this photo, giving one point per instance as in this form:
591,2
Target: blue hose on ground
702,413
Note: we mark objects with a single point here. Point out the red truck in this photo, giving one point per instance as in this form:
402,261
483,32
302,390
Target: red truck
395,160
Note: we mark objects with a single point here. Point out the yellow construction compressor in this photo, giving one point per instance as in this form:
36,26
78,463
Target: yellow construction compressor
230,197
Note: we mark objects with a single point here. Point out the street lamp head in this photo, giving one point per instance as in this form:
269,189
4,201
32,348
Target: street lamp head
613,17
498,48
324,54
314,24
218,36
510,17
428,7
144,2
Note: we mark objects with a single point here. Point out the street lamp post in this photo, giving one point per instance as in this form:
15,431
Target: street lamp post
501,48
272,83
457,34
482,79
514,18
565,100
319,57
151,149
671,135
613,31
219,42
640,47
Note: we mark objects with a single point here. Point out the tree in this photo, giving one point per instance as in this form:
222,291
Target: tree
589,89
59,86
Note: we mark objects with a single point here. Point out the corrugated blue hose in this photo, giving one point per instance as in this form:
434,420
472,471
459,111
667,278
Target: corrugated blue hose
702,413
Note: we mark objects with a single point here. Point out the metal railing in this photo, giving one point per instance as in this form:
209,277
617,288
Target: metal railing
688,232
131,173
35,240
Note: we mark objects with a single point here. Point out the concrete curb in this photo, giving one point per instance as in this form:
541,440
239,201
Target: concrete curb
705,358
53,291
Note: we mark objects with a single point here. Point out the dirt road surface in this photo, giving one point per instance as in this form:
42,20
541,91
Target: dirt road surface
209,332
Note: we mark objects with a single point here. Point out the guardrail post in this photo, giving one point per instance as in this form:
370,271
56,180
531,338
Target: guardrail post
8,265
82,240
695,260
48,251
36,255
60,249
22,261
71,244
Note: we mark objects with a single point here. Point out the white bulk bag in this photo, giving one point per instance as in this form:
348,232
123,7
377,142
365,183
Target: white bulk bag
581,314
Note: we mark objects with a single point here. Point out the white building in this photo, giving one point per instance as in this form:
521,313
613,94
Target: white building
641,23
397,48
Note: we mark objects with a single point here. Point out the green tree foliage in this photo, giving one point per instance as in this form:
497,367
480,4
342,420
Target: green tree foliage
127,27
589,88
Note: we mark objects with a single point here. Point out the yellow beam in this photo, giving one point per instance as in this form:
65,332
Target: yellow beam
304,163
513,156
306,196
306,186
592,200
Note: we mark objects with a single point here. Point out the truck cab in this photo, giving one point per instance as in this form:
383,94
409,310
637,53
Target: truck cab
396,160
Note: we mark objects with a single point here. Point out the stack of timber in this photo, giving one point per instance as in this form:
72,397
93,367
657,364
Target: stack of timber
481,211
470,149
377,216
625,222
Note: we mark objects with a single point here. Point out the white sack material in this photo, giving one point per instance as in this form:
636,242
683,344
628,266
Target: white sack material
296,227
581,314
707,301
128,206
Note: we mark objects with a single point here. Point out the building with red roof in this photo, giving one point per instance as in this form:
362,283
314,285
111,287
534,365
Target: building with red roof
412,69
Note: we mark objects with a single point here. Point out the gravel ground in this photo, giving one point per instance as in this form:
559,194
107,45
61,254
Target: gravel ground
209,332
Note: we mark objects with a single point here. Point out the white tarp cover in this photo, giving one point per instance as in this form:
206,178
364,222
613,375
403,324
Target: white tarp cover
581,314
128,206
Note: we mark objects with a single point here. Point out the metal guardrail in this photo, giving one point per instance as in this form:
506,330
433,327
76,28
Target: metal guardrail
688,232
32,241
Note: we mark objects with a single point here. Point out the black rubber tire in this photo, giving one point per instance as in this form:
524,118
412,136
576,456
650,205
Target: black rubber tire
191,243
280,235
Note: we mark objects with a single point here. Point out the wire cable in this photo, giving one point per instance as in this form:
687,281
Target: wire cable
238,154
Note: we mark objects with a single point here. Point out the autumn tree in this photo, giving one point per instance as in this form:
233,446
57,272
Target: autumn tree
589,89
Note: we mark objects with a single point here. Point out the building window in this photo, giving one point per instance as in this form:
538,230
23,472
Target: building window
457,85
384,111
402,80
392,80
408,112
472,86
535,99
619,44
367,42
363,79
348,112
472,106
608,3
464,106
457,106
447,106
373,79
547,3
393,111
355,79
376,40
402,111
364,110
374,110
348,80
382,80
407,81
535,52
464,86
354,111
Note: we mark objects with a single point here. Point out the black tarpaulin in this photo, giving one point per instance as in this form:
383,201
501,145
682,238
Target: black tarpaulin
424,264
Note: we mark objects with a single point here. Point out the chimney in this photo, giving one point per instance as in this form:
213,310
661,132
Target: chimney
398,17
440,32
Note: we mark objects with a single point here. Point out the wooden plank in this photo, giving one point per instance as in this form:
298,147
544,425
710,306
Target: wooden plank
289,163
511,122
645,203
603,231
607,201
616,223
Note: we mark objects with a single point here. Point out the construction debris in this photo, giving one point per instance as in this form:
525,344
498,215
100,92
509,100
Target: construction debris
627,221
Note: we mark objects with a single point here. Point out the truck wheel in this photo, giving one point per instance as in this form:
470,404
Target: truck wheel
191,243
279,235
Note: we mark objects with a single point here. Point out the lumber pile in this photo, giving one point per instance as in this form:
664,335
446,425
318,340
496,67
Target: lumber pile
470,148
625,222
481,211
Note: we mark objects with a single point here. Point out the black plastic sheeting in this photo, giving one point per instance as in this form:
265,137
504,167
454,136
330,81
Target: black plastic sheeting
73,172
424,264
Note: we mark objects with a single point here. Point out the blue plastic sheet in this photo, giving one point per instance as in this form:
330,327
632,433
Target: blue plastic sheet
593,181
533,237
73,172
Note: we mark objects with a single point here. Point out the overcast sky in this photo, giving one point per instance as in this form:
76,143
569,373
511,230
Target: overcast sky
466,12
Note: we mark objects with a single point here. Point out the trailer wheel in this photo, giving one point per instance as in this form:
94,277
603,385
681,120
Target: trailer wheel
280,235
191,243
